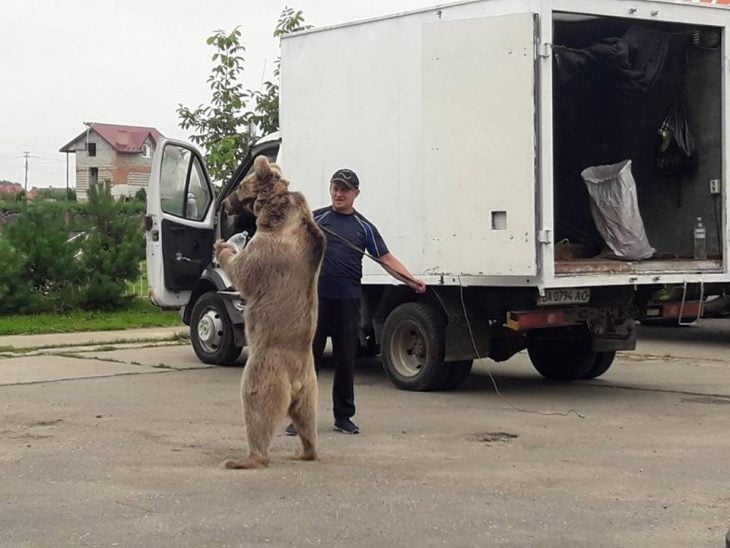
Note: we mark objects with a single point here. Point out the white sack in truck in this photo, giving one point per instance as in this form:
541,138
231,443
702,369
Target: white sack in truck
615,210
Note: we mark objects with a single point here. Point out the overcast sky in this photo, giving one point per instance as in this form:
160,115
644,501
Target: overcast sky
127,62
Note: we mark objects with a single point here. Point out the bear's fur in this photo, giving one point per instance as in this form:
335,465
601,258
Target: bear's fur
276,274
241,200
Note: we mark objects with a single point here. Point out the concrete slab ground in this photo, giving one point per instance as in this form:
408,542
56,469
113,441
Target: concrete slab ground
132,457
173,356
34,369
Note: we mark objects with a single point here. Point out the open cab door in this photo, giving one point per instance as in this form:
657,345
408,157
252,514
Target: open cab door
179,225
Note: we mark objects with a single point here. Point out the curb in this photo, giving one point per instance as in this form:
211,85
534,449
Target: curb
88,338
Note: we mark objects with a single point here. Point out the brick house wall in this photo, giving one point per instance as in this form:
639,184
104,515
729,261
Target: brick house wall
128,172
99,160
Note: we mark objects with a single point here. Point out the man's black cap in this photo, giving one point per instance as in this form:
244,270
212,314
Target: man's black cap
347,177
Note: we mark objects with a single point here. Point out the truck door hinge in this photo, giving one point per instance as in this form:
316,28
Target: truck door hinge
545,236
545,50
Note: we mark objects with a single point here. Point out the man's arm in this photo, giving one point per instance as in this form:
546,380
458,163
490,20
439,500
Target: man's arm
391,261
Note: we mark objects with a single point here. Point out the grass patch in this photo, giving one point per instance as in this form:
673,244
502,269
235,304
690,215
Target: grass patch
139,314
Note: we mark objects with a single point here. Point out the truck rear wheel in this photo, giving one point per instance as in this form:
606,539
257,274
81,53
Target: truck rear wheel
211,331
603,362
412,348
561,359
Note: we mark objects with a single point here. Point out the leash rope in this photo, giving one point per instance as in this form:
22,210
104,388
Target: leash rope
390,270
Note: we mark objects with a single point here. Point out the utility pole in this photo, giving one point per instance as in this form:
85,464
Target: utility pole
27,154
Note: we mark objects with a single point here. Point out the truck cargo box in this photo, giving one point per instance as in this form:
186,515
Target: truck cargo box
470,124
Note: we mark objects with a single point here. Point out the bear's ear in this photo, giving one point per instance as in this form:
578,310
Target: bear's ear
262,168
280,184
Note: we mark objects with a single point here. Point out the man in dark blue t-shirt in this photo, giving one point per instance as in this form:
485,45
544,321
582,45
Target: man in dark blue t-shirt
339,288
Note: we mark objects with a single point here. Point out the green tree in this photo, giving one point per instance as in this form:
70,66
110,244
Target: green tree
222,127
57,194
111,250
16,291
38,270
266,108
40,235
226,126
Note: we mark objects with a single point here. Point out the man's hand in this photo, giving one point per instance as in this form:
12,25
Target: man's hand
398,270
419,286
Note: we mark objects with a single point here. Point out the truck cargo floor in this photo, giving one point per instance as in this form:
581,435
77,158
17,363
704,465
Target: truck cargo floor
663,266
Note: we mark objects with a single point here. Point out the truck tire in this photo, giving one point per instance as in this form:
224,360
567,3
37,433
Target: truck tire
211,331
458,372
412,348
562,360
603,362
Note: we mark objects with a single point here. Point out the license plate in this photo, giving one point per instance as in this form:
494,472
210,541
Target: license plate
564,296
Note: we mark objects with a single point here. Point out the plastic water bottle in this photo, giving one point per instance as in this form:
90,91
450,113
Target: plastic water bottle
239,240
700,237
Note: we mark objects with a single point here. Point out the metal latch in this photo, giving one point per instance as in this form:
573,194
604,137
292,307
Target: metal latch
545,236
545,50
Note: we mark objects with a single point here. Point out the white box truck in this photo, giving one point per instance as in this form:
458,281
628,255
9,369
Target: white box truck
471,126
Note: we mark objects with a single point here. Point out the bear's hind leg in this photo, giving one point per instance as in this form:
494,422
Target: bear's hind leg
264,409
303,413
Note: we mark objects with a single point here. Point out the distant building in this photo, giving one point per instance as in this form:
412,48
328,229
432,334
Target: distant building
119,154
8,191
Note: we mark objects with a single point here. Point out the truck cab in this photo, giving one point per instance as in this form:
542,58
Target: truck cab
184,219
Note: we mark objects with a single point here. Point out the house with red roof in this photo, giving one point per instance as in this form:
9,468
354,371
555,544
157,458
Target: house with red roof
119,154
8,190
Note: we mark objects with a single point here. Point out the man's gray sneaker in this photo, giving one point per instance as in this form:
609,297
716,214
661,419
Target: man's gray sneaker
291,430
346,426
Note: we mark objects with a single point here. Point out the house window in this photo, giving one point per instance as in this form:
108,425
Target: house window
93,176
91,147
145,151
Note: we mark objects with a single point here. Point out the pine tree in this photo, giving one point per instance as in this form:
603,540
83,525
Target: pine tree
112,250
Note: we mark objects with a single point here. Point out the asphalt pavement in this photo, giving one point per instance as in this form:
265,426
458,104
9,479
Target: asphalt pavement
117,439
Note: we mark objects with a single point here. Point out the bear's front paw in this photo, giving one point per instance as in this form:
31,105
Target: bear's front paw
223,250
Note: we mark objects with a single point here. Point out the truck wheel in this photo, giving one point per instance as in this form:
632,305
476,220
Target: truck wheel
413,345
211,331
603,362
458,372
562,360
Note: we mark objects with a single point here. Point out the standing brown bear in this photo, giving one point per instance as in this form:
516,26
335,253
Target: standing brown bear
276,274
